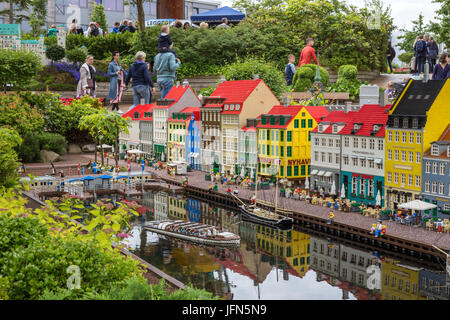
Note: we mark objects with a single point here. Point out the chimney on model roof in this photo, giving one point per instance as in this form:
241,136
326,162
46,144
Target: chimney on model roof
222,79
178,84
255,76
348,106
185,83
286,101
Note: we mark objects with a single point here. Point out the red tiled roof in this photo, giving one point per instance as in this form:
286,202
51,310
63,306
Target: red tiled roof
236,91
334,117
175,93
141,108
368,115
194,110
317,112
253,129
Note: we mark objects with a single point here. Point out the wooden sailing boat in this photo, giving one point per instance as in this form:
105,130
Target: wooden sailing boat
265,212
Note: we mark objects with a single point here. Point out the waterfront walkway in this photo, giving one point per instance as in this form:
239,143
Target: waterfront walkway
355,219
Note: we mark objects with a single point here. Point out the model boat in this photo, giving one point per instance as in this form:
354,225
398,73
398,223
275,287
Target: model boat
195,232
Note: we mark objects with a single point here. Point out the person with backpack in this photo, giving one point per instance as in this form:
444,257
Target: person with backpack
390,54
420,50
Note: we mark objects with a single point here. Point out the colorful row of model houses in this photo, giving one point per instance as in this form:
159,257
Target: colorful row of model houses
374,154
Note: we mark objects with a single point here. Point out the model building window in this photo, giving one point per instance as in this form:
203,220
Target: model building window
410,180
434,187
389,136
442,169
441,188
427,186
418,157
405,123
363,143
434,150
355,143
389,154
427,167
434,167
346,141
396,155
404,137
419,138
396,136
396,122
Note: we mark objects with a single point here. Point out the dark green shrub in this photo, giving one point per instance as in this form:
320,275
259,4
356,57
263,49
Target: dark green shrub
302,85
23,65
53,141
30,149
50,41
405,57
55,53
305,75
347,81
76,55
187,70
19,232
347,72
245,70
42,266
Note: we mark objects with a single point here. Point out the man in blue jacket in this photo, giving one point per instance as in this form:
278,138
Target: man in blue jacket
165,66
141,80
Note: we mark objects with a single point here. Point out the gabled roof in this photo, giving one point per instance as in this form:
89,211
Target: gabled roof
335,117
443,139
235,92
368,116
417,97
194,110
141,108
174,94
249,129
316,112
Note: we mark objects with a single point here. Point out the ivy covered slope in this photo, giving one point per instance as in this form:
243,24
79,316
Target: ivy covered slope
36,250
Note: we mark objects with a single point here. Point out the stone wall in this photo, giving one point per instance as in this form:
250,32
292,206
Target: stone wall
362,75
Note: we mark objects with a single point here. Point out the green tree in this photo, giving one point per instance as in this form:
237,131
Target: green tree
442,27
98,15
38,16
105,126
17,67
245,70
55,53
9,141
13,7
17,114
140,13
409,36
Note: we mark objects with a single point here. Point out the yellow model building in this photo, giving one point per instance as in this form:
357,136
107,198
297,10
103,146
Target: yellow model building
415,120
284,141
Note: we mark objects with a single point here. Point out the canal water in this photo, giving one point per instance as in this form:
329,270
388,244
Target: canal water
274,264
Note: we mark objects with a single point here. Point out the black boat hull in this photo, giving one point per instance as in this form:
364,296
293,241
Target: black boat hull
285,222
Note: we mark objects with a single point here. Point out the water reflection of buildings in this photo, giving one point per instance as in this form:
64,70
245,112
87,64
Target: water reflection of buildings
433,285
344,267
289,246
161,207
193,210
177,207
400,282
148,203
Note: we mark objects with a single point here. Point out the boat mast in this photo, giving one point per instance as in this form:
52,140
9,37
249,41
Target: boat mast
276,188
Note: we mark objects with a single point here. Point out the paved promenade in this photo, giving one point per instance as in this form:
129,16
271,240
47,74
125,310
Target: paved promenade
412,233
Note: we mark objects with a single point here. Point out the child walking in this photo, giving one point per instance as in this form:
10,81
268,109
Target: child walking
290,69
